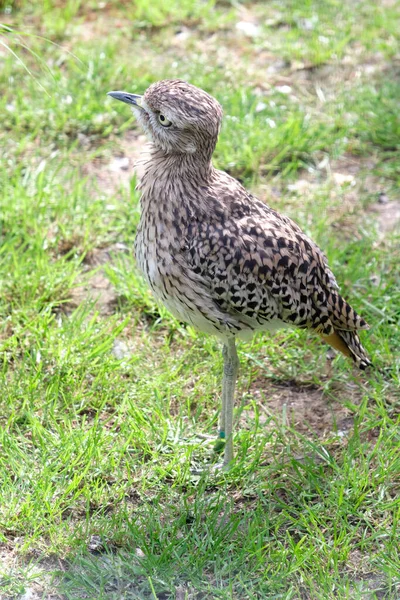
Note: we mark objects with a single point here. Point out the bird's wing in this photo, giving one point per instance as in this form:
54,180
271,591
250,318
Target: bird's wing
258,264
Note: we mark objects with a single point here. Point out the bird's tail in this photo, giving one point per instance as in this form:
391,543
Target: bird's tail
349,344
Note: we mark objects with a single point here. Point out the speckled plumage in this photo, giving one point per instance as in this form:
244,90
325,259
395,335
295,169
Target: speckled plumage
215,255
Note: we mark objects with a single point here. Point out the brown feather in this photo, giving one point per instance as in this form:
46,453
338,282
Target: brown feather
215,255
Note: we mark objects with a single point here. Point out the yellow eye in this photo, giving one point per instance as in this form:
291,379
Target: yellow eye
164,121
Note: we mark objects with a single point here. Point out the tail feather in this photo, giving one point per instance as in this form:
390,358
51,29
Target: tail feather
349,344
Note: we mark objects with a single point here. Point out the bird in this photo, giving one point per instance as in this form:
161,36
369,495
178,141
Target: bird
215,255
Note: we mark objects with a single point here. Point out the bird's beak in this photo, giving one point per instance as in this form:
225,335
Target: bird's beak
128,98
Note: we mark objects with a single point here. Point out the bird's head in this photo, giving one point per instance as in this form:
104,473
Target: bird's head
178,117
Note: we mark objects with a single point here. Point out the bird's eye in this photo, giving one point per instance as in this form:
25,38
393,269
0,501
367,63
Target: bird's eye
164,121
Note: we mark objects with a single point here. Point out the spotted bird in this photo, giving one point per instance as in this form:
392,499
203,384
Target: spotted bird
215,255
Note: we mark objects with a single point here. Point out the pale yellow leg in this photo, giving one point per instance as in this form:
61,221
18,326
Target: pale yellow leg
231,365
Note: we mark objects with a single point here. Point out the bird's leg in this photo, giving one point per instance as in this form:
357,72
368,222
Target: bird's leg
221,442
231,364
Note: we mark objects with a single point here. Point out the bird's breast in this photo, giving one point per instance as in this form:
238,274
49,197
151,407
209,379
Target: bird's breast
147,256
157,248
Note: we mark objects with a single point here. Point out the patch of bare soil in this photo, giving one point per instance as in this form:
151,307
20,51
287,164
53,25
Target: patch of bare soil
325,79
348,172
97,288
353,166
110,175
304,408
374,585
354,174
388,215
355,185
40,572
94,25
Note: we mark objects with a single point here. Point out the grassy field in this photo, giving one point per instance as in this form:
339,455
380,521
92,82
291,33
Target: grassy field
108,406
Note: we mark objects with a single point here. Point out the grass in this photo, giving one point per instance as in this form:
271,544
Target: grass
107,403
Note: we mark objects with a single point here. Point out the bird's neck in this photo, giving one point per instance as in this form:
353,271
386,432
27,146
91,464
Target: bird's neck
173,177
167,165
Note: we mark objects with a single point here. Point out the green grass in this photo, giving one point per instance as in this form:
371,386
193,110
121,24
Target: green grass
109,406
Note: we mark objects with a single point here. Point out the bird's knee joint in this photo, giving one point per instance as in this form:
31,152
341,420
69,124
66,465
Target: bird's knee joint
230,368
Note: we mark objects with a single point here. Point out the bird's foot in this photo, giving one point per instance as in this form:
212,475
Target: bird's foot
221,467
